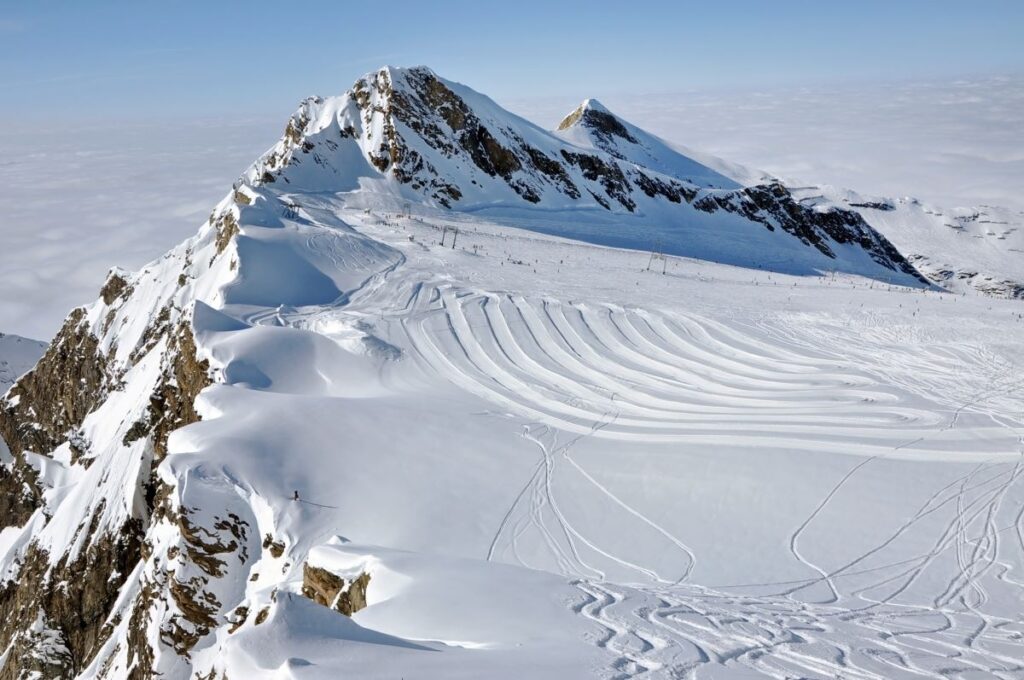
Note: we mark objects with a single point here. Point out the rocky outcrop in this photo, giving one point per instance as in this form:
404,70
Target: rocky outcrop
19,492
603,124
172,404
50,401
609,175
45,407
956,279
57,612
773,206
327,588
115,287
227,228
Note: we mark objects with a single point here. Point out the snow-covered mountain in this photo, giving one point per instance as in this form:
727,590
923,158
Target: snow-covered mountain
381,418
410,135
17,355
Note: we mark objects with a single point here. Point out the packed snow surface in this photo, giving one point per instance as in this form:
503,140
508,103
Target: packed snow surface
556,463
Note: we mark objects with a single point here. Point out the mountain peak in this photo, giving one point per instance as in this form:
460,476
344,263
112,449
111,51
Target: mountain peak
592,114
421,137
395,72
592,105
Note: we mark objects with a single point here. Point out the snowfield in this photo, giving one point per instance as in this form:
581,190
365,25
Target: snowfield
715,471
552,458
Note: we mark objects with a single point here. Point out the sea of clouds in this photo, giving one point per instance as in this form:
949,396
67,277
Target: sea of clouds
952,143
78,199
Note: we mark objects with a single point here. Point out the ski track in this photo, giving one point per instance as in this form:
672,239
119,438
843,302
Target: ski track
573,370
602,371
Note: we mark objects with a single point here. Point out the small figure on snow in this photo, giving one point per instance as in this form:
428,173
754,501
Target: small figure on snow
296,495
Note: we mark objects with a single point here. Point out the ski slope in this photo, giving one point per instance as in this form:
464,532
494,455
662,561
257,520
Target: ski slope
556,463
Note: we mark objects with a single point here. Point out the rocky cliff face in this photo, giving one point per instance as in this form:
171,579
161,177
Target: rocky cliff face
96,412
774,206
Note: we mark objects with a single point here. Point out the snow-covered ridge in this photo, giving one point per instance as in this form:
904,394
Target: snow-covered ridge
408,134
594,126
413,136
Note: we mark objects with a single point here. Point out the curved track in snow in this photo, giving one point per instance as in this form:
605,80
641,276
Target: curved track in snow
577,370
666,377
569,372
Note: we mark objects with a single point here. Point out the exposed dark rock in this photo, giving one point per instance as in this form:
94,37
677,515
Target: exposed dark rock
240,615
600,200
276,548
19,492
874,205
139,652
603,124
154,332
773,206
75,597
446,123
52,399
609,175
116,286
172,404
331,590
554,171
488,154
198,611
137,431
227,229
676,192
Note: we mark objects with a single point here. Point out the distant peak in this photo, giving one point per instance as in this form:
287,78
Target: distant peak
592,114
394,72
418,68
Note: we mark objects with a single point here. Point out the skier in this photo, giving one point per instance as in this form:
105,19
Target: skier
296,495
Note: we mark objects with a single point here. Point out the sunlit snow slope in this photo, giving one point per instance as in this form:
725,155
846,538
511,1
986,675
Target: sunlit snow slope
549,459
17,355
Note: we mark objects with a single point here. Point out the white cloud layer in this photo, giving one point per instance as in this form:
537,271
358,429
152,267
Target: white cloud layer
75,200
957,143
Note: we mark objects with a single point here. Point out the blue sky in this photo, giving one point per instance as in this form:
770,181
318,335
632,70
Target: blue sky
127,59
